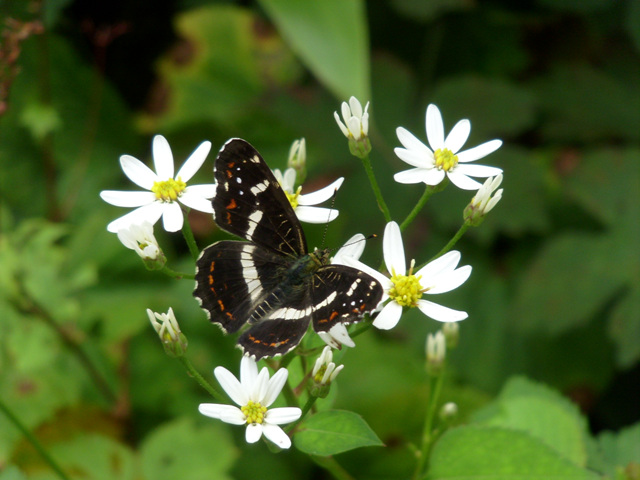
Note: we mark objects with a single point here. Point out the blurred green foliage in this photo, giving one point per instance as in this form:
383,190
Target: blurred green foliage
555,289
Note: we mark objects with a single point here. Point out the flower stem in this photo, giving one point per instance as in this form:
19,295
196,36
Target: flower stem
453,241
199,378
32,440
177,275
332,466
428,191
366,162
189,238
435,389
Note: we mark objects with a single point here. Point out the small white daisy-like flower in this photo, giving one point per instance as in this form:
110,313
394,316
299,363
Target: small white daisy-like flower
165,189
254,393
444,157
356,120
405,289
302,204
325,371
140,239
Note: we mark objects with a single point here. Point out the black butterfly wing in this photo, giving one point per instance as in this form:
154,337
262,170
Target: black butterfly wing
250,203
342,294
233,277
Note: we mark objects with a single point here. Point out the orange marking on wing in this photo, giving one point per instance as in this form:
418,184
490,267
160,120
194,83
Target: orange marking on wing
333,315
212,266
232,204
210,279
221,305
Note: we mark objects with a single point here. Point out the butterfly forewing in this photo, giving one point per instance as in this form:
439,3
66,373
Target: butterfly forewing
250,203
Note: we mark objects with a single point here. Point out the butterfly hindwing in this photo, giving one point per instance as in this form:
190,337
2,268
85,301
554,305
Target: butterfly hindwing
342,294
232,278
250,203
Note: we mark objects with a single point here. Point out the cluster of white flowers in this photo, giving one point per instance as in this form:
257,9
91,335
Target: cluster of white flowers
403,287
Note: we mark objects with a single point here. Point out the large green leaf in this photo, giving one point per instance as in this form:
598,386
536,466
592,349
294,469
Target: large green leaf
331,38
620,450
334,431
493,453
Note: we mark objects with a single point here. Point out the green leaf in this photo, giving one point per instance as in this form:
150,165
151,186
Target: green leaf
620,449
624,328
492,453
334,431
544,414
11,472
331,38
182,449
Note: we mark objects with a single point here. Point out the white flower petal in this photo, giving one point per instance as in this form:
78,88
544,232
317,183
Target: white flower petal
207,190
354,247
321,195
253,433
388,317
316,214
337,336
259,388
482,171
434,127
440,313
194,162
230,384
282,415
226,413
415,158
393,250
150,213
274,387
276,435
248,372
195,201
480,151
446,263
384,281
414,175
343,128
463,182
172,218
411,142
127,199
138,172
162,157
356,107
289,180
451,281
458,135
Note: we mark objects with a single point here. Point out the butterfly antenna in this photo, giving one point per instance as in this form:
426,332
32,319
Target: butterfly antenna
326,225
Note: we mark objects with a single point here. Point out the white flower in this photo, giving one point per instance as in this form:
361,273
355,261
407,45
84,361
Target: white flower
353,248
337,336
140,239
356,121
167,328
325,371
483,202
255,392
165,189
436,347
302,203
297,155
443,158
405,289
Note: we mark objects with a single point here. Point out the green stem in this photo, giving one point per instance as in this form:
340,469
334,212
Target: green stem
376,189
453,241
177,275
32,440
199,378
189,238
427,434
332,466
428,191
307,406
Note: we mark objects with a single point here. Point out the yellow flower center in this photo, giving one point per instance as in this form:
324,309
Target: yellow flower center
406,290
254,412
168,190
318,376
293,197
445,159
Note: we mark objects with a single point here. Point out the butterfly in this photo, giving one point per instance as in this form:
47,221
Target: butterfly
270,281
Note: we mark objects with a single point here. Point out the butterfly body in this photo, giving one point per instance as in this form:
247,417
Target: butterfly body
270,281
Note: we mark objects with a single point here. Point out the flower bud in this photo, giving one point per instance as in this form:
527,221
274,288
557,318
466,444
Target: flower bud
167,328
